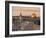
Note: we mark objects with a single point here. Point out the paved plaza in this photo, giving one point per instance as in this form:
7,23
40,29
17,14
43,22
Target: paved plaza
25,26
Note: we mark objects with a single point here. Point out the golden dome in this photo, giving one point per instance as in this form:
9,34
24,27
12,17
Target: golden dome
33,15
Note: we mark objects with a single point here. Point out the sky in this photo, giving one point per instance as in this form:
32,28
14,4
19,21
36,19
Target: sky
25,11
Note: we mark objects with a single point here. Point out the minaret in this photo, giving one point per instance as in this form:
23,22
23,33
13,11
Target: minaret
20,18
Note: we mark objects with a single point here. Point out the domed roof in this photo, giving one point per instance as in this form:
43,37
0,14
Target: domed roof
33,15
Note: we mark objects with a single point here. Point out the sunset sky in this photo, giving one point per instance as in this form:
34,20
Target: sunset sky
25,11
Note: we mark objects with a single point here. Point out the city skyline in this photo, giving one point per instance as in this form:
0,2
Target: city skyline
25,11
